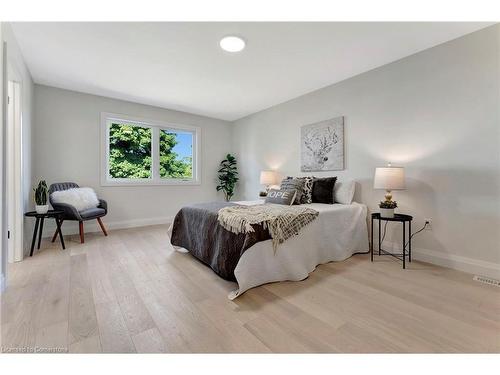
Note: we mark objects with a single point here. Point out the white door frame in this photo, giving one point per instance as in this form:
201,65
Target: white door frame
3,126
14,186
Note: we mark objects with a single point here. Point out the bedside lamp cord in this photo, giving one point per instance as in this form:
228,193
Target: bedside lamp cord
383,236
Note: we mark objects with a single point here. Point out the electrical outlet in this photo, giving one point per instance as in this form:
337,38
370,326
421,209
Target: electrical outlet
428,221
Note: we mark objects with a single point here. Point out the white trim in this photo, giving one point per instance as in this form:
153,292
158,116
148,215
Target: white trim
155,126
3,156
457,262
14,171
91,226
3,283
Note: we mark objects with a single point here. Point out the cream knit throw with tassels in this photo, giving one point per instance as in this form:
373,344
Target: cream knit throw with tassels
283,222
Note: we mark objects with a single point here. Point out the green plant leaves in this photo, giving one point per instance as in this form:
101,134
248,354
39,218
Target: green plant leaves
388,204
41,193
228,176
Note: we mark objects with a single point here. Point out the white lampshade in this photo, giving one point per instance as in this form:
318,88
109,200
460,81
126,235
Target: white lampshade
389,178
268,177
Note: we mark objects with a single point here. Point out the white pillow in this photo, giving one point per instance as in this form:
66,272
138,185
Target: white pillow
343,192
80,198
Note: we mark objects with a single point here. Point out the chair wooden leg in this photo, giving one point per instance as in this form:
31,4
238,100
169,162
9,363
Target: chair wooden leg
56,232
102,226
82,238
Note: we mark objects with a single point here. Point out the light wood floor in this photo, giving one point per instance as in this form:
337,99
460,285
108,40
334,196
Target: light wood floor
130,292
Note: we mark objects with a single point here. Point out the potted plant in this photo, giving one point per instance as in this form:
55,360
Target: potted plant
228,176
40,197
387,208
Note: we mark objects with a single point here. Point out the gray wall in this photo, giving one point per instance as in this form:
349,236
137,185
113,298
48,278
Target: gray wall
66,148
437,114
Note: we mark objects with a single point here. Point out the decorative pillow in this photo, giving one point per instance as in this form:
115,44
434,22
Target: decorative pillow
307,190
281,196
292,183
323,190
343,191
80,198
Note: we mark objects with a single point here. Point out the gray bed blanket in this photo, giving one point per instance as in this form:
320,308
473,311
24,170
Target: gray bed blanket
196,229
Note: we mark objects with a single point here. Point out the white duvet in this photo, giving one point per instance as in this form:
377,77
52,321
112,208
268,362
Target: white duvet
338,232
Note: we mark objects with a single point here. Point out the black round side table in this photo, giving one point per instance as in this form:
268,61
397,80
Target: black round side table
52,214
399,218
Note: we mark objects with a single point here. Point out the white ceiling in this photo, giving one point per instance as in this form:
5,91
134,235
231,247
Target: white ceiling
180,65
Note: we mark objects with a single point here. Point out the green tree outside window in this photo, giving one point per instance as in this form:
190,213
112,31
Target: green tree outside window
171,164
130,153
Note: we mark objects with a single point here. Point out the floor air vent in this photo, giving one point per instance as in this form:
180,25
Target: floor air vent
486,280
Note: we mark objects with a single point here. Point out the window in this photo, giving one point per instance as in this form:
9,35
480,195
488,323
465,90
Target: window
176,154
145,152
129,151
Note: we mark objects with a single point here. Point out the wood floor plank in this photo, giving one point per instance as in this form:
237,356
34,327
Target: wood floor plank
166,322
113,333
132,292
21,310
82,313
275,338
53,338
186,320
149,341
135,314
89,345
54,308
102,290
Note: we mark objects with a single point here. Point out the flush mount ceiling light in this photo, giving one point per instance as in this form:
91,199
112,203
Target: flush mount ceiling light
232,43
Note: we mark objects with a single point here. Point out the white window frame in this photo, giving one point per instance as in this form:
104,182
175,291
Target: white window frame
156,127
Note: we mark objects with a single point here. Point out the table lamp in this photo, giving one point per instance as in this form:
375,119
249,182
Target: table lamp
267,178
389,178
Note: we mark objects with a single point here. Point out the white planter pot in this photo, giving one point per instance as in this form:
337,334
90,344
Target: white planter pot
387,213
41,209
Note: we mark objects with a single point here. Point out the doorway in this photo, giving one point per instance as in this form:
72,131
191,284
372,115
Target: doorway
14,193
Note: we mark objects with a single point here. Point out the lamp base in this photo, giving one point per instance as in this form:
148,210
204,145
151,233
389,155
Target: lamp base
388,196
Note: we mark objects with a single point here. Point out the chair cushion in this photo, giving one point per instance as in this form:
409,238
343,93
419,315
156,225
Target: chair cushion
92,213
80,198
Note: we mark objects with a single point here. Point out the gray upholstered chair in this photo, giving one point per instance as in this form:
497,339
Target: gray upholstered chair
71,213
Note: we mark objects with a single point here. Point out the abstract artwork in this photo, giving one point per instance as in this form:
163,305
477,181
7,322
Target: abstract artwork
322,146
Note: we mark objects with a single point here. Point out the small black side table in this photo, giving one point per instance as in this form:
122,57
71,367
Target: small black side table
56,215
402,219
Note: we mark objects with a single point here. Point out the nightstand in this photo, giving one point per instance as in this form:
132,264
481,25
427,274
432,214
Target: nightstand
40,218
399,218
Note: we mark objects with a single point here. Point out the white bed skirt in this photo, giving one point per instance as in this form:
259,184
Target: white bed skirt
338,232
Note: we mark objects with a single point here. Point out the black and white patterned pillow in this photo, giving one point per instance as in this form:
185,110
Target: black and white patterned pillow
307,190
291,183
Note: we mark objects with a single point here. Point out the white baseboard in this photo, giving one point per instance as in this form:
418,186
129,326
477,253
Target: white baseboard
457,262
92,225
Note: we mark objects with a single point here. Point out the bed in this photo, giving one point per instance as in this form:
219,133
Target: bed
338,232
